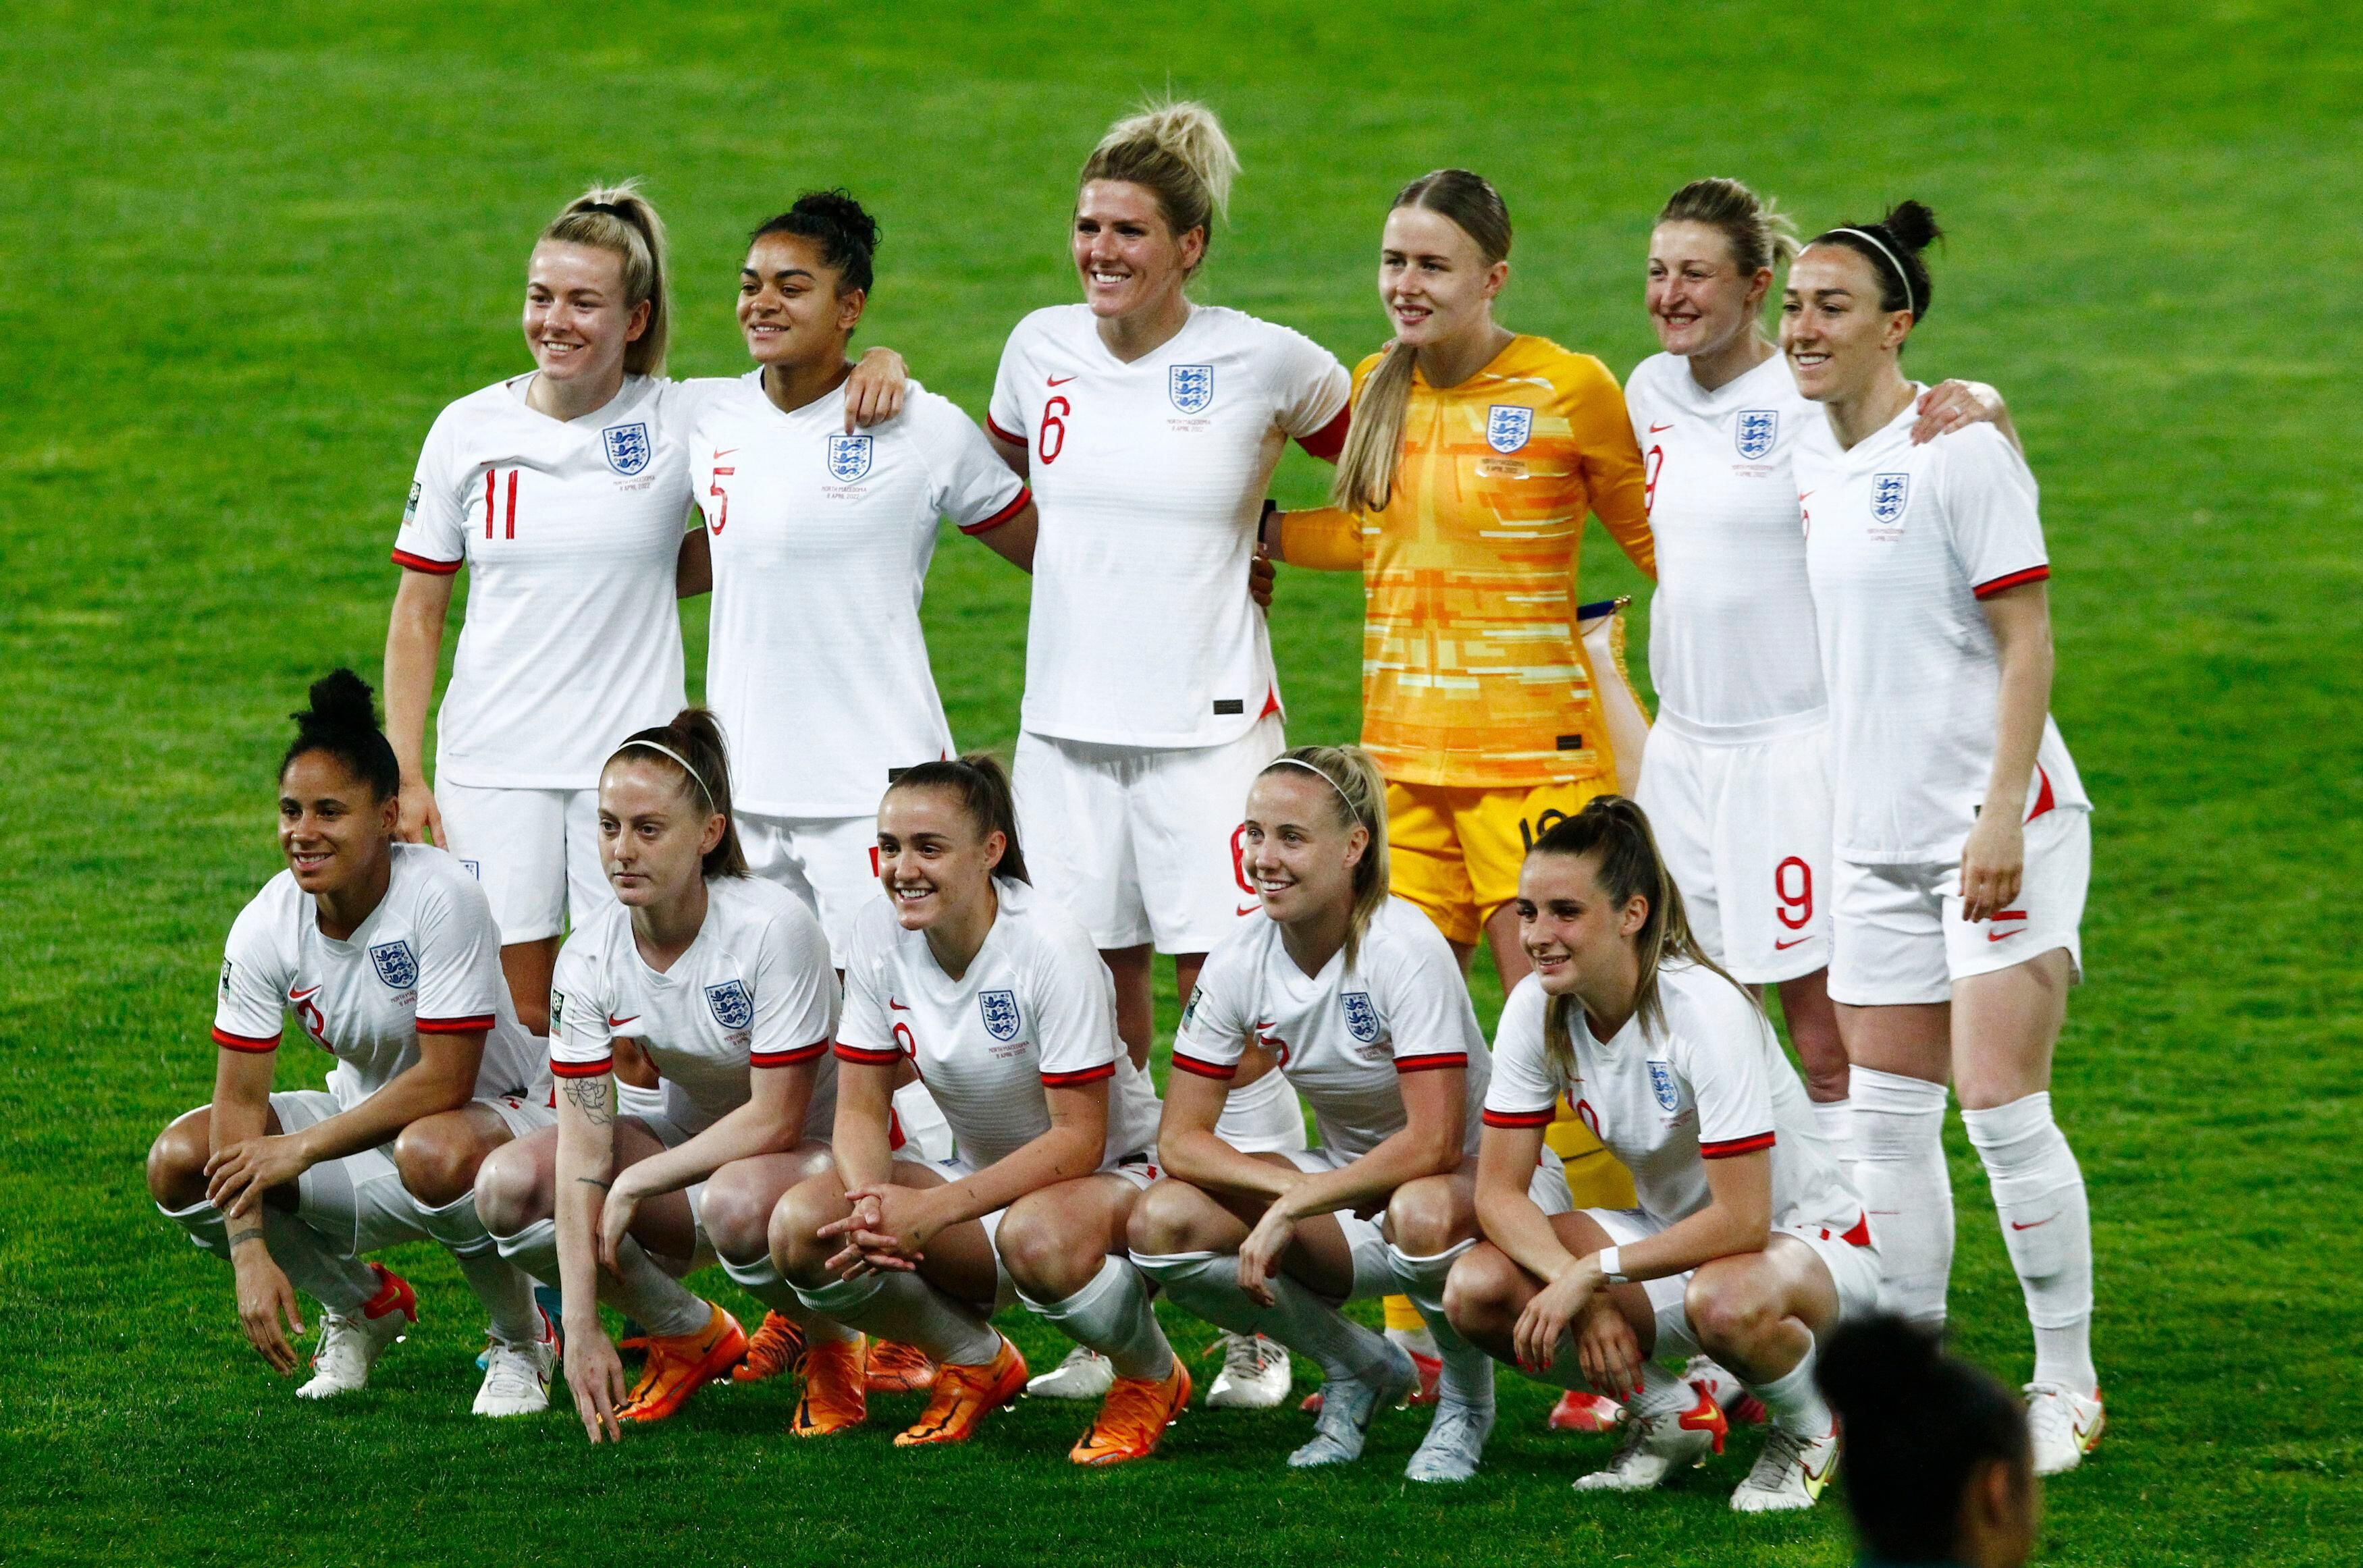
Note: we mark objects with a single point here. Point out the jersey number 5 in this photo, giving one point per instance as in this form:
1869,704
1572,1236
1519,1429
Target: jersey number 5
722,513
1053,437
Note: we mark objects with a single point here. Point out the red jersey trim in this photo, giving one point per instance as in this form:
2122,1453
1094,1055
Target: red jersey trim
1025,496
248,1043
1432,1061
1330,439
1184,1063
1083,1076
795,1057
2045,799
424,564
1860,1235
867,1059
455,1025
1731,1146
1521,1118
559,1069
993,429
2011,579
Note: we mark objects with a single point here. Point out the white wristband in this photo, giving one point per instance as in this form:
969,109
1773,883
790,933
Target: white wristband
1609,1266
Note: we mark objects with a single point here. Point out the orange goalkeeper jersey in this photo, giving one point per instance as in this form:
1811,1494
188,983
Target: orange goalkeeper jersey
1472,673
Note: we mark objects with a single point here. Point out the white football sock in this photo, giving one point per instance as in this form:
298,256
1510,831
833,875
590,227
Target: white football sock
533,1249
762,1280
1898,1149
1833,1120
1263,1118
315,1266
892,1305
1110,1315
203,1223
1468,1376
1793,1402
501,1286
2039,1194
1207,1285
656,1301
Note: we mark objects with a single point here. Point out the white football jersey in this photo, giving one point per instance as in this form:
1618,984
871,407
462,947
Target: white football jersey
426,961
755,989
1035,1010
816,664
1731,637
1713,1085
570,530
1150,479
1903,541
1343,1036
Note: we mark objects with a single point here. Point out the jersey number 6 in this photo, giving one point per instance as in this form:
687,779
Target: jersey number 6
1045,445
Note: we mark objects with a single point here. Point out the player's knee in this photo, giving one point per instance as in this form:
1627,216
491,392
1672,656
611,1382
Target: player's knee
736,1216
798,1250
1044,1253
1425,1217
438,1156
1478,1293
1728,1312
1164,1219
509,1190
176,1162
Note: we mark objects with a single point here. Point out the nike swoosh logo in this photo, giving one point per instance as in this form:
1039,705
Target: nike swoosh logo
898,1007
1061,381
2004,935
1802,493
720,453
1655,428
1784,946
1248,909
623,1022
2033,1223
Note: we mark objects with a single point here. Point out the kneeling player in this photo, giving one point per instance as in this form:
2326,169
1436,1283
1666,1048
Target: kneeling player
998,998
725,981
388,956
1748,1242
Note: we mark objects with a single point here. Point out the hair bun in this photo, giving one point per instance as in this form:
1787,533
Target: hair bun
838,206
1913,224
340,701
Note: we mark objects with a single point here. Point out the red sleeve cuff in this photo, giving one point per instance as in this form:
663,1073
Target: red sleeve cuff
1433,1060
1081,1076
455,1025
424,563
1330,439
253,1043
792,1058
1025,496
1730,1146
1183,1062
993,429
559,1069
1987,589
1520,1117
867,1059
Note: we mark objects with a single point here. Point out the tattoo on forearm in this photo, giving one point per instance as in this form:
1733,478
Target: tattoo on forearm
240,1237
591,1097
594,1181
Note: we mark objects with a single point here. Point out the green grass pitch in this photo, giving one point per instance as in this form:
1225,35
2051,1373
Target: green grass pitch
243,262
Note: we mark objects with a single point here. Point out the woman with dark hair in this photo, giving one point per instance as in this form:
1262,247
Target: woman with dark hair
1940,1467
725,983
995,996
1747,1243
387,955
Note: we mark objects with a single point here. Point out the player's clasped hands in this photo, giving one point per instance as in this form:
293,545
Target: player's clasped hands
1552,1312
888,1228
237,1177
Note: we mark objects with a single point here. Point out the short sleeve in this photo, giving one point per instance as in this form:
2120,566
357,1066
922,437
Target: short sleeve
1991,511
1073,1002
459,982
1425,1002
1524,1092
969,484
1216,1021
864,1033
1309,387
1006,414
1720,1047
433,536
794,989
582,1030
250,1005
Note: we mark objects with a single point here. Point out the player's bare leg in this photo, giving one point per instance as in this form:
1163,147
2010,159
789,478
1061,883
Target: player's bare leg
527,966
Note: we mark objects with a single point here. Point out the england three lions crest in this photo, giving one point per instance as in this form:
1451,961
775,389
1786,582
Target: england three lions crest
1661,1084
1000,1010
1755,431
1888,493
733,1008
849,457
396,964
1191,387
1508,426
627,447
1361,1018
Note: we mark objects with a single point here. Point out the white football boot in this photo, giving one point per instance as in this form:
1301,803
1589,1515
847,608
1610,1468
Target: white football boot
350,1346
1454,1443
1657,1448
1085,1375
1256,1374
1348,1408
2065,1425
516,1377
1790,1474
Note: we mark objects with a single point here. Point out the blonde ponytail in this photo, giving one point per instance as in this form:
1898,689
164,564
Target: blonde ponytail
1359,796
1176,150
618,218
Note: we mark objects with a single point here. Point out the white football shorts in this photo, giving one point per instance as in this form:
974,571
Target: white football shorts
1141,844
1140,1170
1373,1275
1853,1266
831,862
358,1202
672,1135
536,852
1744,823
1899,937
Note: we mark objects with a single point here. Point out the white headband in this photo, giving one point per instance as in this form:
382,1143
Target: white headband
1901,275
1299,762
677,757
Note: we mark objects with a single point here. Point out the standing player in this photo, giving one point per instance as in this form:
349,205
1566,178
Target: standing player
994,993
1361,1001
1746,1240
1963,835
725,981
387,956
564,493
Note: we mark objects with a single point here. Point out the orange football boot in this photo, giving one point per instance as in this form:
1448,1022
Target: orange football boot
898,1368
679,1364
965,1396
1133,1418
836,1391
777,1347
1581,1410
